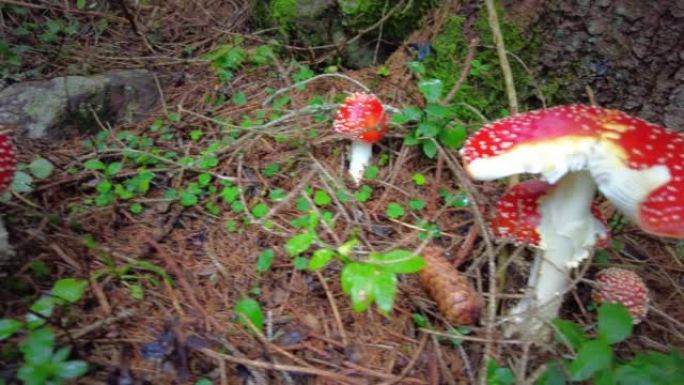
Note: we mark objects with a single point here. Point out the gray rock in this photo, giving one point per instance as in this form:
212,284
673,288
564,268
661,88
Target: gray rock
50,109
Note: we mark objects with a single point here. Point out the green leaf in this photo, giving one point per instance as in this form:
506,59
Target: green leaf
71,369
419,320
248,309
41,168
265,260
38,346
428,129
592,357
239,98
569,333
418,179
438,111
8,327
453,137
364,193
299,243
346,248
204,381
417,204
136,291
652,368
554,375
614,322
321,198
385,290
371,172
604,377
497,375
104,186
69,289
135,208
229,194
94,164
394,210
271,169
358,283
429,148
22,182
204,179
383,71
408,114
300,263
260,210
40,310
188,199
80,4
35,374
398,261
431,89
320,259
113,168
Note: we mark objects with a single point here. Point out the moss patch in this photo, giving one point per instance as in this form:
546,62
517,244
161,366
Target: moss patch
484,88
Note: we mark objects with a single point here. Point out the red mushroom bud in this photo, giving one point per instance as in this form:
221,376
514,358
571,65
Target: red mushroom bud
616,285
8,162
362,118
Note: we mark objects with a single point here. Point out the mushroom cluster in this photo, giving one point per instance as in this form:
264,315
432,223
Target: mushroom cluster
577,149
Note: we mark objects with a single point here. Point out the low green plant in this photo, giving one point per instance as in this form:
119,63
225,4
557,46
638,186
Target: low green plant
435,123
131,275
366,281
42,361
592,357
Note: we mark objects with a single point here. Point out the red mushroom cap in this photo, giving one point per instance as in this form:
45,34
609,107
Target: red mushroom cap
518,215
616,285
637,165
362,117
8,161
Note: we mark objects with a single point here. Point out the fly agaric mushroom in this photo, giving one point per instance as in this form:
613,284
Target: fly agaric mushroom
362,118
637,165
8,161
521,217
617,285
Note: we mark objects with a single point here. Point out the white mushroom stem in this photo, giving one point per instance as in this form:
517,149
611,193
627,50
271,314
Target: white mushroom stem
359,159
568,232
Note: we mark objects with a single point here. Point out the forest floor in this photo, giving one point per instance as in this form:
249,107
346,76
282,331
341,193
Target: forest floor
221,238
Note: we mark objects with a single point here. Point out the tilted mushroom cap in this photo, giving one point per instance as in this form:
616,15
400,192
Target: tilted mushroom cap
8,161
362,117
617,285
638,166
518,215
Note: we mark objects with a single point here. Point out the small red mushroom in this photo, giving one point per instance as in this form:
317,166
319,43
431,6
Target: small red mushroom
8,162
617,285
362,118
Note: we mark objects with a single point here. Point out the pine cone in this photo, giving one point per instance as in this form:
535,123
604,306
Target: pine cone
455,295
